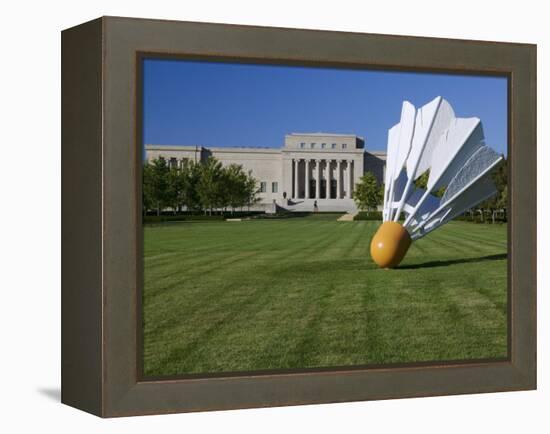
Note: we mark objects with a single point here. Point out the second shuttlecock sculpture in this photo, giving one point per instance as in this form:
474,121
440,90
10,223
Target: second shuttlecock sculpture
453,151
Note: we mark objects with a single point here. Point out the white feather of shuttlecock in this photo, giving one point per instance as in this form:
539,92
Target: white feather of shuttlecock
452,149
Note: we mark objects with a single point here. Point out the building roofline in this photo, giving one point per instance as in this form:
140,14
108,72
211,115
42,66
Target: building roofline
244,149
259,149
321,134
171,147
256,149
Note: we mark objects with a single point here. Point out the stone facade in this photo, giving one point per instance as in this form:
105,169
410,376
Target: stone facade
309,168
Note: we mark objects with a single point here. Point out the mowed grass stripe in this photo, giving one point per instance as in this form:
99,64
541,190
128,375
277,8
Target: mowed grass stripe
237,266
303,292
471,240
228,258
221,245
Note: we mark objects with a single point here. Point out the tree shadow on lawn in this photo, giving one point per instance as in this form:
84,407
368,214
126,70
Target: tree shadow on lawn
432,264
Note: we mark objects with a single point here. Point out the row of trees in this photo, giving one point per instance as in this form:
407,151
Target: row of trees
369,194
197,186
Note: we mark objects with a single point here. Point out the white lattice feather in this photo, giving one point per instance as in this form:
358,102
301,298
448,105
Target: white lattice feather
452,150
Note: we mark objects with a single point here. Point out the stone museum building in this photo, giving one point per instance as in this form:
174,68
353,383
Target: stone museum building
309,168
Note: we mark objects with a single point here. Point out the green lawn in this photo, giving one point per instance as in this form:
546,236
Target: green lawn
303,292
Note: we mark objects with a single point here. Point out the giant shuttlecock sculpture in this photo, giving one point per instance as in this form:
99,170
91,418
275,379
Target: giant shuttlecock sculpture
453,150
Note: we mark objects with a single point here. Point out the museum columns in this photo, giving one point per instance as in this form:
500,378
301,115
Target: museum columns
328,179
350,179
318,179
306,186
295,193
338,176
316,169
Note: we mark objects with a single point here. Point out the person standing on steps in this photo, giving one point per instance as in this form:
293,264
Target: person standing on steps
284,198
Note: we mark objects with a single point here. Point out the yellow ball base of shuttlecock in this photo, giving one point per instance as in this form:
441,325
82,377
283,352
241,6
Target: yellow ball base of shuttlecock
389,245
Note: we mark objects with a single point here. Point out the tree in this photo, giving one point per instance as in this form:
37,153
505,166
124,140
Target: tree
251,190
175,193
159,184
500,178
368,194
502,202
235,186
422,182
191,174
148,198
209,186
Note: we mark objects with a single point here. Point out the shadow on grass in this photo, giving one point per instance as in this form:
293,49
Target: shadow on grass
432,264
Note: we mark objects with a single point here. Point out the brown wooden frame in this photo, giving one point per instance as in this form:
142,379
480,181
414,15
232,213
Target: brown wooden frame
101,219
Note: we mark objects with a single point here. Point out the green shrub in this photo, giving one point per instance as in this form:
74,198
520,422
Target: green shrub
368,215
153,219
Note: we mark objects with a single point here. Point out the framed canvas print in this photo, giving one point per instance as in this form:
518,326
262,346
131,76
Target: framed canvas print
259,216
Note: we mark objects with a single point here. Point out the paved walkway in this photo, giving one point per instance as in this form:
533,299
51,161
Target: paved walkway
348,217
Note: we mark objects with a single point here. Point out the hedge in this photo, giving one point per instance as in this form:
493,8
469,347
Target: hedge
368,215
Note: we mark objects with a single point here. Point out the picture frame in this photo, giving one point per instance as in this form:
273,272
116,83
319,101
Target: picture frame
101,226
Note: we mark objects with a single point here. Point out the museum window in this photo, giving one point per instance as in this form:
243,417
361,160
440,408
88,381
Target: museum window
302,145
263,187
323,145
344,145
334,146
274,187
173,164
312,145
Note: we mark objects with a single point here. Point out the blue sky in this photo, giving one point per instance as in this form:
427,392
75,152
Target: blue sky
229,104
